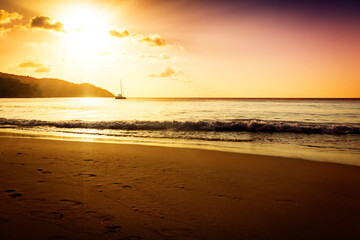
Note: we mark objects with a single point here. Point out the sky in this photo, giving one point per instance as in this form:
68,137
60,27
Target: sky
188,48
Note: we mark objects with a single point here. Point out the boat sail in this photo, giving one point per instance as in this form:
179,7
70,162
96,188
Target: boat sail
121,95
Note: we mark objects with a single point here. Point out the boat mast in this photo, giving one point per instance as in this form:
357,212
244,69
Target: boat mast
121,88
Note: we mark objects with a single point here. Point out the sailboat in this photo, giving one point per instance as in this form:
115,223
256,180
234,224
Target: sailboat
121,95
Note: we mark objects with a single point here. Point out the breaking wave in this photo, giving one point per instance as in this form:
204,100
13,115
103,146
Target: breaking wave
216,126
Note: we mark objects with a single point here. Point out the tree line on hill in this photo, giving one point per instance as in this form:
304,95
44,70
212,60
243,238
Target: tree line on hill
14,86
10,87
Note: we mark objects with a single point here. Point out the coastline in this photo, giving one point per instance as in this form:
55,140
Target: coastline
91,190
244,148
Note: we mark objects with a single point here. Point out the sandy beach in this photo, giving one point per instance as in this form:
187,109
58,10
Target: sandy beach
52,189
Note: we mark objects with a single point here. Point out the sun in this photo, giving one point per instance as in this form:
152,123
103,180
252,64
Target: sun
87,30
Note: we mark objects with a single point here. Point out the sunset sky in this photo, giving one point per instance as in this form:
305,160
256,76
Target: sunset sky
187,48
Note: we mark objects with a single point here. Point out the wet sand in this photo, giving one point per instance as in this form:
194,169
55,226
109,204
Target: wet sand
52,189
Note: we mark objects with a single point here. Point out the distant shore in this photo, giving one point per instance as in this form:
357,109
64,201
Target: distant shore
16,86
244,98
54,189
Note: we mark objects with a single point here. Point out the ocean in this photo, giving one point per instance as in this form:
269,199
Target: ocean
318,130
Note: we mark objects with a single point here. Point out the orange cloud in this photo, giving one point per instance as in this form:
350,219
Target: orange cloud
3,31
153,40
122,34
31,63
42,70
35,63
161,57
168,72
6,17
46,23
171,74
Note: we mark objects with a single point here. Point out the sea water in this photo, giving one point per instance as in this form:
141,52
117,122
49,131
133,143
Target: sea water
320,130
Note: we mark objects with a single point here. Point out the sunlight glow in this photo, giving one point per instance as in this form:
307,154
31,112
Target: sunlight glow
88,30
89,101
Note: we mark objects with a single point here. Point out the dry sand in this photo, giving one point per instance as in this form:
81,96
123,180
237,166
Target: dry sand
54,189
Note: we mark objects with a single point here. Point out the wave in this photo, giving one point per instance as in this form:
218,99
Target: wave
217,126
164,136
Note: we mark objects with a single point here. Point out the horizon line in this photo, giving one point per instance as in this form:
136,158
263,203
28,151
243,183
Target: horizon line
247,98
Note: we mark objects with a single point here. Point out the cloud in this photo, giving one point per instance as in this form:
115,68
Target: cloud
4,31
180,75
163,56
153,40
122,34
104,53
46,23
42,70
6,17
31,63
172,74
35,45
35,63
168,72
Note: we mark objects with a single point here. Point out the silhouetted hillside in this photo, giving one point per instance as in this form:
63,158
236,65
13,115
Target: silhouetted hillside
22,86
10,87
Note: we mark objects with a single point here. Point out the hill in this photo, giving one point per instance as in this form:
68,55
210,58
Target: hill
12,85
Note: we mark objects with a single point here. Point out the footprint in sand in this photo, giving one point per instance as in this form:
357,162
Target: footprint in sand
3,220
113,229
9,190
56,215
86,174
71,201
90,160
42,171
228,197
106,218
15,195
88,212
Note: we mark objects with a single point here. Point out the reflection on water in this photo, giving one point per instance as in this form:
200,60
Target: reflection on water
107,109
318,130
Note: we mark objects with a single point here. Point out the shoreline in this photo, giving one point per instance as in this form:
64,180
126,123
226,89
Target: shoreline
53,189
245,148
